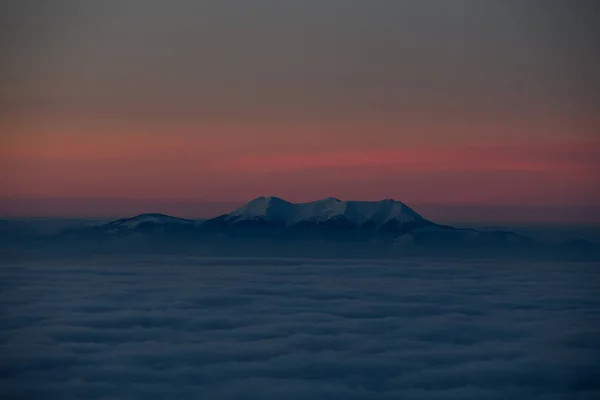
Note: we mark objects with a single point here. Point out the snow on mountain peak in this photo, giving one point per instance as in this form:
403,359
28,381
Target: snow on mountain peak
270,208
134,222
274,209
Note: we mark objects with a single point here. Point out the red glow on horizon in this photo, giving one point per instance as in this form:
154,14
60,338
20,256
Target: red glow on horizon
551,173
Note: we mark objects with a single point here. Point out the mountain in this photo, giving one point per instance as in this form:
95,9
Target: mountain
143,224
146,223
388,222
274,209
384,223
270,225
327,214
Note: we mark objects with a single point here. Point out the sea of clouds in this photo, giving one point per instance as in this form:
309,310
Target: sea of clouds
196,328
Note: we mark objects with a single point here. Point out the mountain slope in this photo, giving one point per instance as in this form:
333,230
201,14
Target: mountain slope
271,221
276,212
385,222
143,224
146,222
272,226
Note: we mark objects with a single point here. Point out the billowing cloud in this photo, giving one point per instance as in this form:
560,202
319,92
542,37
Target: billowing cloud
246,329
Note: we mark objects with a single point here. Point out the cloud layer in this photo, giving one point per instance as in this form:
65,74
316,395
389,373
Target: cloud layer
249,329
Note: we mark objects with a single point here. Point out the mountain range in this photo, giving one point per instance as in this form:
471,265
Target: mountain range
271,224
387,222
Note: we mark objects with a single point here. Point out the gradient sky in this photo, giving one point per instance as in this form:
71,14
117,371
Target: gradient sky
487,106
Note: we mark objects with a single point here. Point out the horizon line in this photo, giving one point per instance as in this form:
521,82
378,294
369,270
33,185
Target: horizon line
446,212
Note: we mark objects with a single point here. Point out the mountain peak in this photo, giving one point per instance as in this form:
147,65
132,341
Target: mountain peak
267,199
375,222
274,209
149,218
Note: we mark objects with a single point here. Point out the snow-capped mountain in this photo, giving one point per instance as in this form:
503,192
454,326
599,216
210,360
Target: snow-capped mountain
143,223
146,220
278,212
271,221
386,221
273,226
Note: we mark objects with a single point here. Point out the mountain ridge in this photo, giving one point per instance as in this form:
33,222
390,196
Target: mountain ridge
271,225
276,211
386,222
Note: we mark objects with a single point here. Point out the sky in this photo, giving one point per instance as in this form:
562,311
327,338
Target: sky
472,109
